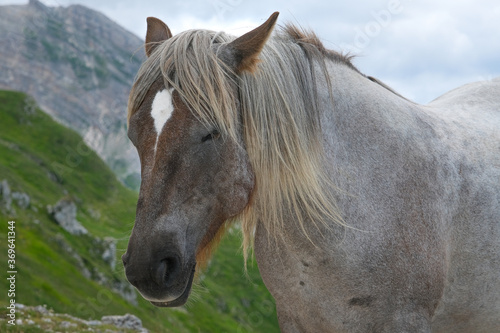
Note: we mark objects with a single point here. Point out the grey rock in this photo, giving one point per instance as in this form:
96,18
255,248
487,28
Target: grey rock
22,199
41,309
127,321
64,213
109,253
67,324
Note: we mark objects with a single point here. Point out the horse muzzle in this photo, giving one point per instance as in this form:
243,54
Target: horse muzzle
163,277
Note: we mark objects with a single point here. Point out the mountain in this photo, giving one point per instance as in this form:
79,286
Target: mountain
71,219
79,65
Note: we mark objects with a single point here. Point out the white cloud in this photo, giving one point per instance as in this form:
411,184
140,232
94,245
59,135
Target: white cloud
422,48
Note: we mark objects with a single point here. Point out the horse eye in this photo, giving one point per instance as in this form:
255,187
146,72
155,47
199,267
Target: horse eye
212,136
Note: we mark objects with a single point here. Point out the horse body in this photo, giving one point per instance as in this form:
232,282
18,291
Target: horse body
420,187
417,247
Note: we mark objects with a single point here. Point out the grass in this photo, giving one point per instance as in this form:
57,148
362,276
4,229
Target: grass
47,161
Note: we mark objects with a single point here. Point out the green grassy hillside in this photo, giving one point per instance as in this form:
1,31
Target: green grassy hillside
49,162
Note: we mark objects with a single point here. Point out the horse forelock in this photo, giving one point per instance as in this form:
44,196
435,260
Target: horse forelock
280,112
187,64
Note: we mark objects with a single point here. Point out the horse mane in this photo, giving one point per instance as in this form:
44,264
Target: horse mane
279,120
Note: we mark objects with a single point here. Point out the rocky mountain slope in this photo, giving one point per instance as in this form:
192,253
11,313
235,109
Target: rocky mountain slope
79,66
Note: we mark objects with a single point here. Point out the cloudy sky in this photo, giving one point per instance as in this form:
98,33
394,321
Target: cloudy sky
421,48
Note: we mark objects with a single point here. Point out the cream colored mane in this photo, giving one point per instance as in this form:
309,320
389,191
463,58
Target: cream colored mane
279,120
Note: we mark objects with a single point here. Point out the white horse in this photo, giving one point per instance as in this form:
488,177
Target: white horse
367,212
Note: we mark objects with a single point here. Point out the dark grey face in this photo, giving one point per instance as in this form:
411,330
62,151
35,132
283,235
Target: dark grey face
193,180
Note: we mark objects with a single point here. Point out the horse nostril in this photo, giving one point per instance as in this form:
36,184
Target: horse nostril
167,271
160,272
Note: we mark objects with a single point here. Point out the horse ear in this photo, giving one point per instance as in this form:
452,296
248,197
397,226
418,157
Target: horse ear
243,53
157,33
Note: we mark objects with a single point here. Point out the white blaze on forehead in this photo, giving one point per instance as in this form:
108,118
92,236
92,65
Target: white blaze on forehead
162,108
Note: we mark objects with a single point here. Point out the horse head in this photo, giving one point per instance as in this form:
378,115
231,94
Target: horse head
196,173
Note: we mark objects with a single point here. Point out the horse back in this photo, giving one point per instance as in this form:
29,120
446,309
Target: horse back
480,95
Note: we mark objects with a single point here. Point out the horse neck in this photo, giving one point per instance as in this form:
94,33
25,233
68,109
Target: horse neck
365,114
371,135
361,102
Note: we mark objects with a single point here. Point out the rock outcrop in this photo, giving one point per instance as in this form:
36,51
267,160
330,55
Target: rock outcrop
126,321
22,199
64,213
109,253
41,319
8,197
